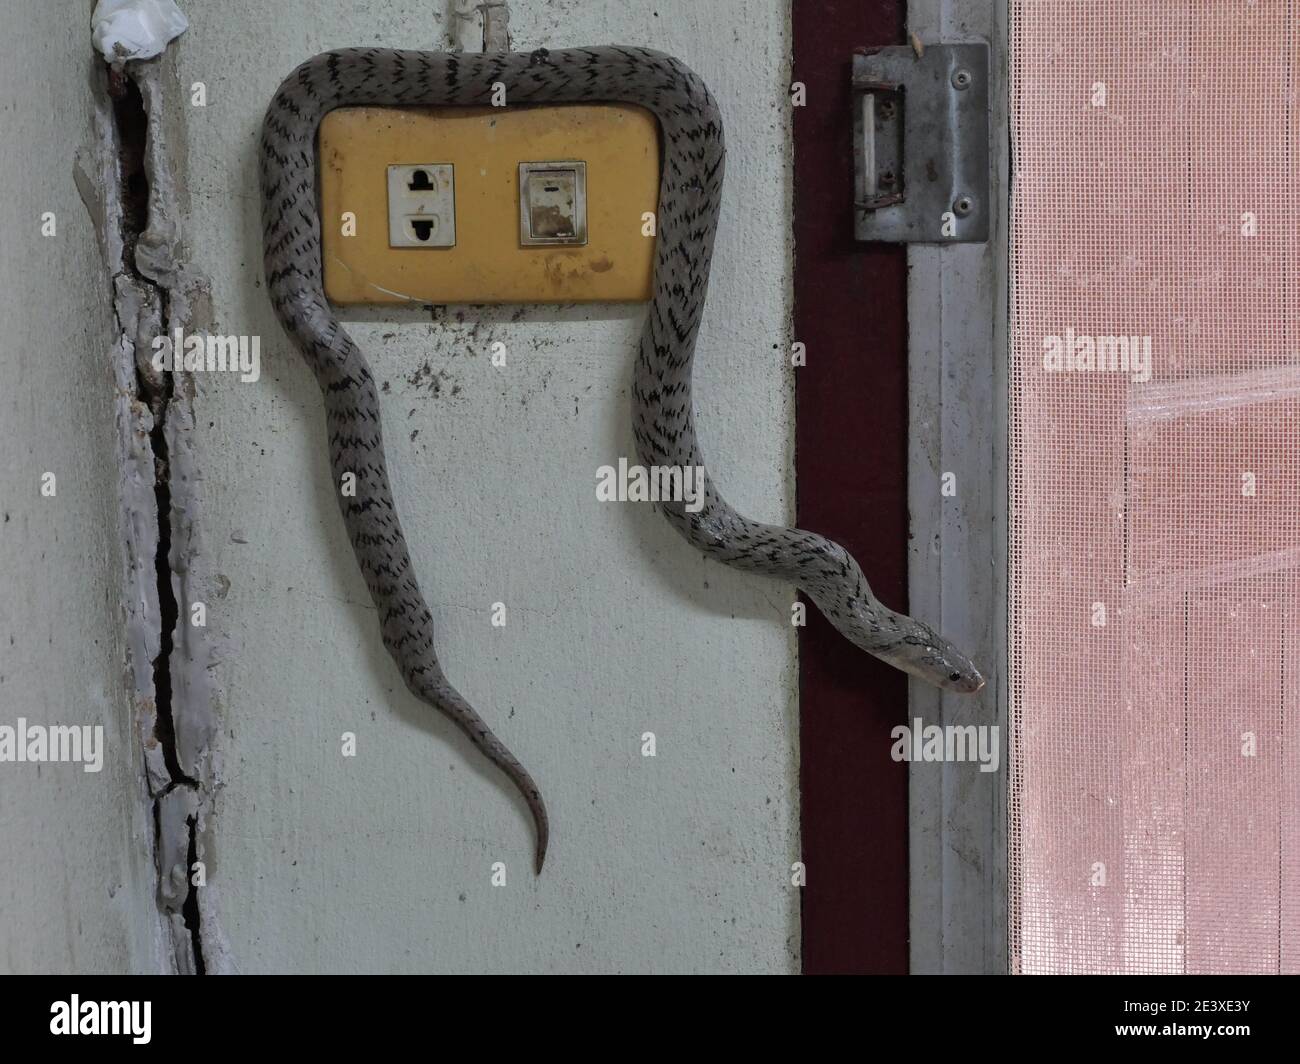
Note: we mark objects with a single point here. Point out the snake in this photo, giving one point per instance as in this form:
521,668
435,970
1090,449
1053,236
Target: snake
692,164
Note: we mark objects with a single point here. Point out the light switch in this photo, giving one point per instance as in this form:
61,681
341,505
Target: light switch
421,206
552,204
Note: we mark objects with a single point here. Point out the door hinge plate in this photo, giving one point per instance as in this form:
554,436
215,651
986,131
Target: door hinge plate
921,144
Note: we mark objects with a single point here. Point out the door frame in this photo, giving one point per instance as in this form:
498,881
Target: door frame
905,865
957,386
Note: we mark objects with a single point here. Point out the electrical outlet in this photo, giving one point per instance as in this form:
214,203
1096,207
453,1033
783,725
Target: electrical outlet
421,206
610,259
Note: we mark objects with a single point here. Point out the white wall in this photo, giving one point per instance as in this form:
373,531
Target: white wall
76,880
616,626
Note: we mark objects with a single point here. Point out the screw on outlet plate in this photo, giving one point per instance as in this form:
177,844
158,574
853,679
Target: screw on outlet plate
961,79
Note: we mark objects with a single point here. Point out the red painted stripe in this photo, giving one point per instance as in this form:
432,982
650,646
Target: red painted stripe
850,309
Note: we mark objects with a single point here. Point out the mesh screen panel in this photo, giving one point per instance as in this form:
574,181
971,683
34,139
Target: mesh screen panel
1155,507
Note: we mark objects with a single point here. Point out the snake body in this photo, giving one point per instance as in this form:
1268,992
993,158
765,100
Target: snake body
663,421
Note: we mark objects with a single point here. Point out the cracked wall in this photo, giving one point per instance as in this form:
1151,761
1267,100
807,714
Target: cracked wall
125,239
204,489
156,293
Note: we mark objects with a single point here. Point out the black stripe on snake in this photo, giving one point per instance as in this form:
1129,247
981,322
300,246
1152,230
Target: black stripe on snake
663,420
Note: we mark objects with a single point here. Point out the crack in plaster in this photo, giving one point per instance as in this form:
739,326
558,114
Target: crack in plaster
130,192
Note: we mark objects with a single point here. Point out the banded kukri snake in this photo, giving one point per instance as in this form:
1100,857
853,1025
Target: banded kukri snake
663,420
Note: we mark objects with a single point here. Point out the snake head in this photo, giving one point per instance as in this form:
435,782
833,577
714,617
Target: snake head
961,674
905,643
930,657
917,649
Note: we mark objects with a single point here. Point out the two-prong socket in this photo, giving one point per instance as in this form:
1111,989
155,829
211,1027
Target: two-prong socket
421,206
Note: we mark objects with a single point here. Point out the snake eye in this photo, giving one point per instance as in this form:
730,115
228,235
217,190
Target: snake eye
954,677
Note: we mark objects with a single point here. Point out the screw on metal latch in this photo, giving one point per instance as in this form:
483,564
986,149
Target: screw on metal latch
961,79
962,206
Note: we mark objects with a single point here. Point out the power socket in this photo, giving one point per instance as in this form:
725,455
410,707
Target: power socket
421,206
489,263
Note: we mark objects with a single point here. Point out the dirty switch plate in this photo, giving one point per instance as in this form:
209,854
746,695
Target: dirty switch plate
552,203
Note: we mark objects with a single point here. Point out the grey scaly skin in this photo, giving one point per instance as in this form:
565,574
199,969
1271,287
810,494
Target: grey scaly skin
661,394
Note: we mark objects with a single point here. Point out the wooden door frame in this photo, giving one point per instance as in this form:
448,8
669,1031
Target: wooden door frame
906,870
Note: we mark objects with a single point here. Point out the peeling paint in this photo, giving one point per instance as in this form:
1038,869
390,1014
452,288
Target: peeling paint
480,25
175,809
496,26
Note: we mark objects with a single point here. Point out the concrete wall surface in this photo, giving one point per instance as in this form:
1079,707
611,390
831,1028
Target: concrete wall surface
76,881
615,626
314,860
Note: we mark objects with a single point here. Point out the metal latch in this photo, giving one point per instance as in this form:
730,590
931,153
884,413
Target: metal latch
921,141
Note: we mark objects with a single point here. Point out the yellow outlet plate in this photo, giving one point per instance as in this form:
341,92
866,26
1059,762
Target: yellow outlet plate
620,145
